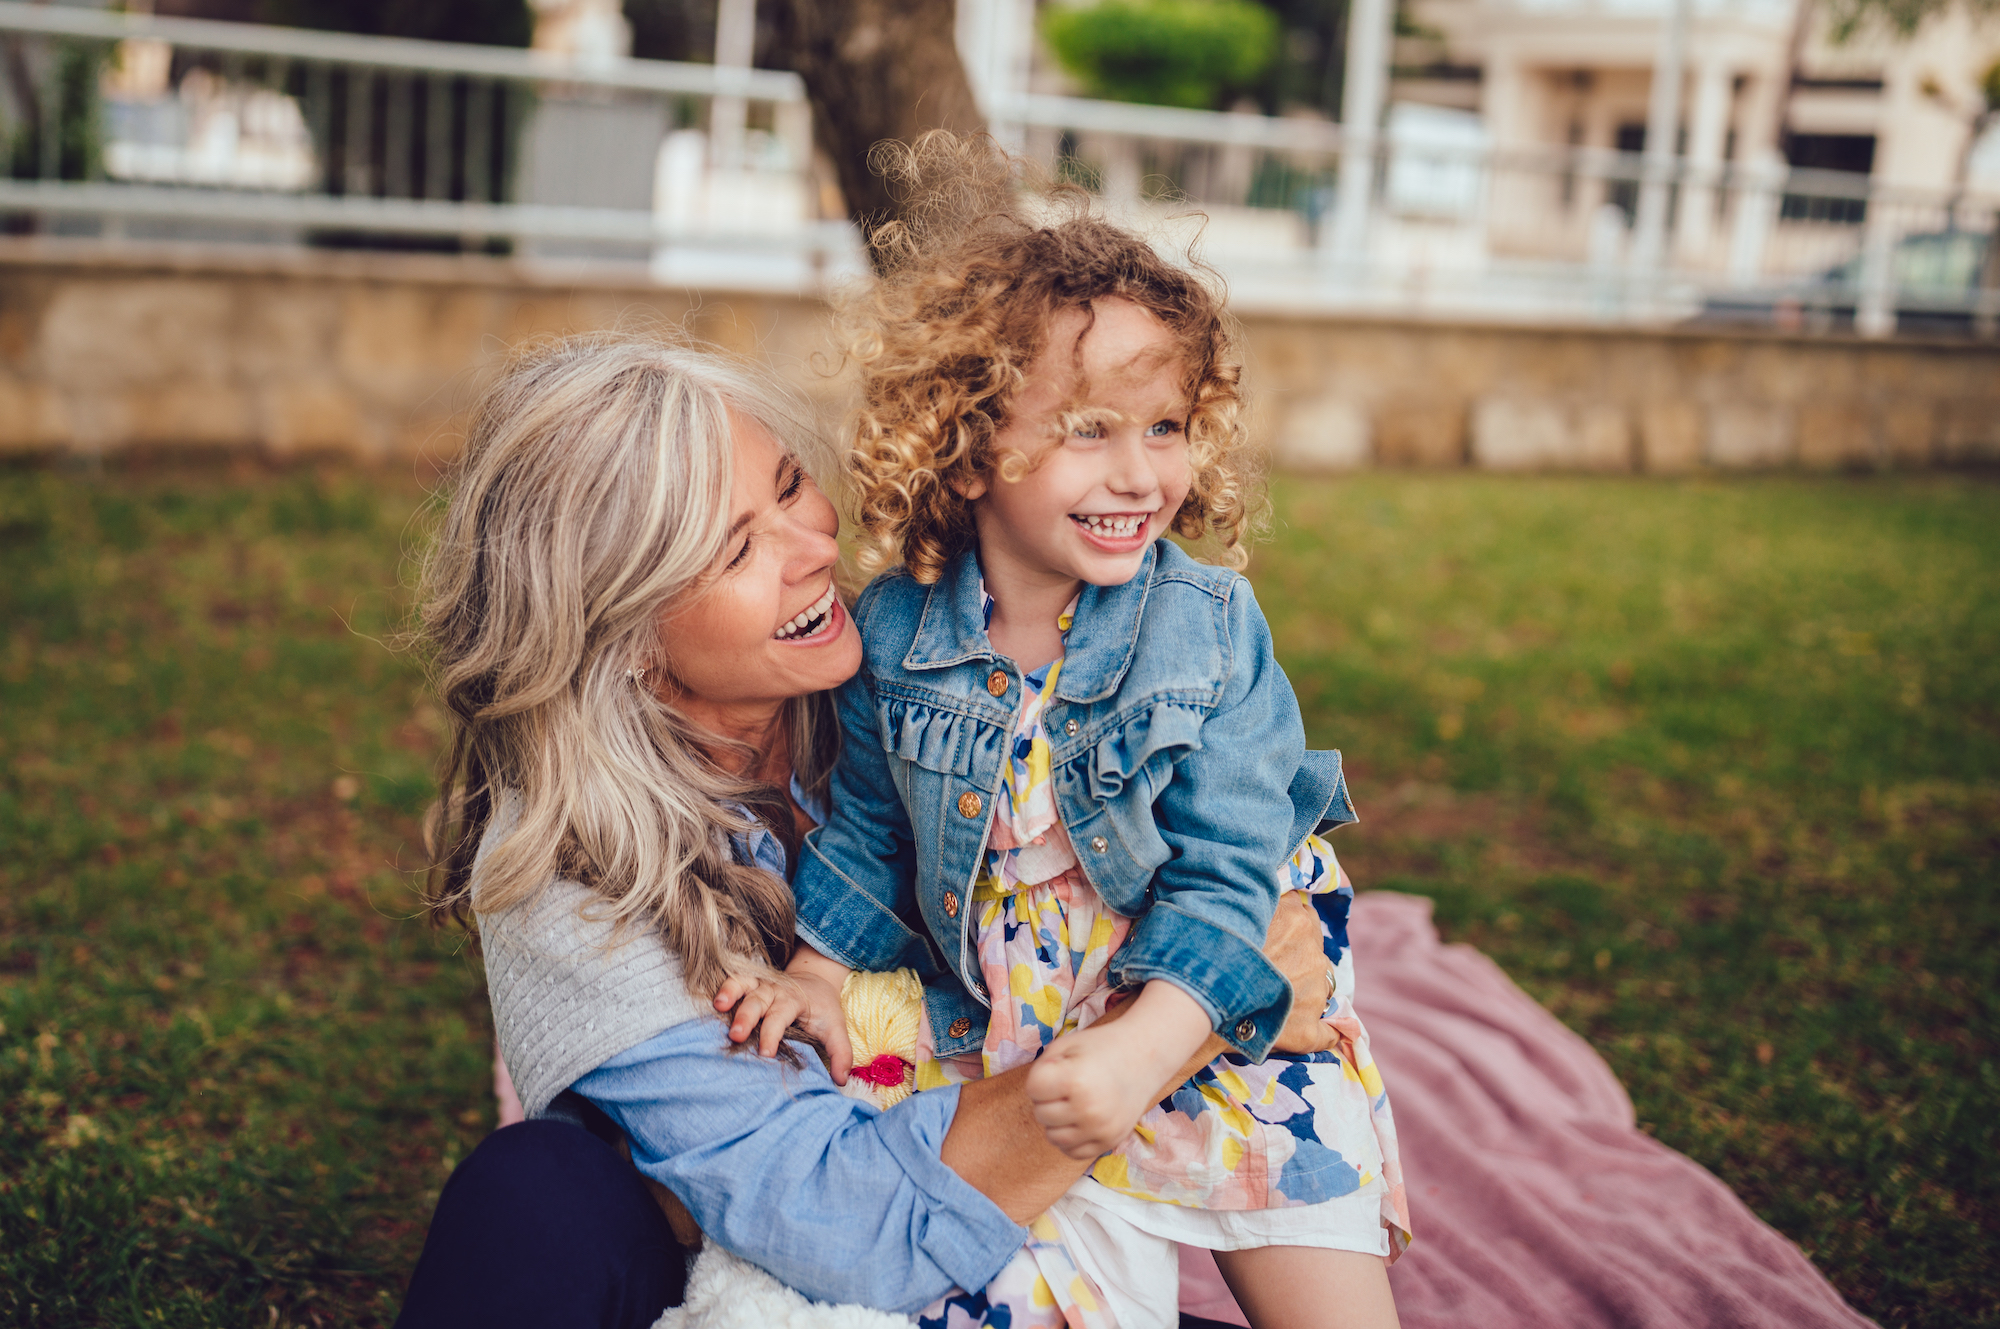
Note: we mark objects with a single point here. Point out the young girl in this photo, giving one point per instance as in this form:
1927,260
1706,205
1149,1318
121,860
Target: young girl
1073,771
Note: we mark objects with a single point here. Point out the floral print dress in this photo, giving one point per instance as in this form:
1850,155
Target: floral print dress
1290,1131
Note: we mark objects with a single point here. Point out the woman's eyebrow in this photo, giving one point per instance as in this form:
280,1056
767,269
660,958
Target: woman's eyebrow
778,478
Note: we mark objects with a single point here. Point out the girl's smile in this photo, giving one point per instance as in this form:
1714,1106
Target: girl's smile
1116,532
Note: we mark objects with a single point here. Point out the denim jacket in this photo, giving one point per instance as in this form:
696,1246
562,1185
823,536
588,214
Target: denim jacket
1179,767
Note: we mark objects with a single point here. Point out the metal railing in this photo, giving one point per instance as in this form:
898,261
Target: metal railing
1456,226
129,127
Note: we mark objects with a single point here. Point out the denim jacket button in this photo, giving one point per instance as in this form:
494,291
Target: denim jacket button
1245,1031
951,904
1099,844
969,804
960,1027
996,683
1070,727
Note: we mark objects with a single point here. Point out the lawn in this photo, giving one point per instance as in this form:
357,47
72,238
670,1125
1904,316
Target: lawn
1713,769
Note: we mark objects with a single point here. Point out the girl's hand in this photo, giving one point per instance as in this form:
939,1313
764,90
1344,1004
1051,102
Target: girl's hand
805,999
1089,1088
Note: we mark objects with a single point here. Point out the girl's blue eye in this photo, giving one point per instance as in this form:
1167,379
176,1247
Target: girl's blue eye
1087,431
1161,428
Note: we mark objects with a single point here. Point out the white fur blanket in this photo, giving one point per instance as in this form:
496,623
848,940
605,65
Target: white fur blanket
724,1292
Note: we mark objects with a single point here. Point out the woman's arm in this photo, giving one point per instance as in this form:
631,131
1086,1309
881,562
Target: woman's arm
846,1204
836,1199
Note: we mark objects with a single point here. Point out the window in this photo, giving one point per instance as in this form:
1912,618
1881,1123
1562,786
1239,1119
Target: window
1852,153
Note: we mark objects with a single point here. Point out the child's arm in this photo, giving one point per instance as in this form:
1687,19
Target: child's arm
808,994
856,883
1090,1087
1226,815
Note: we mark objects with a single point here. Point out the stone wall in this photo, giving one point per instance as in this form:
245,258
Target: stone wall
376,357
1347,393
367,356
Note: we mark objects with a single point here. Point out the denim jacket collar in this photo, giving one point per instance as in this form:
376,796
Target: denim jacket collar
952,630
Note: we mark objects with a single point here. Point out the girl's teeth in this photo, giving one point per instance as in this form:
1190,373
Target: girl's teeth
1114,526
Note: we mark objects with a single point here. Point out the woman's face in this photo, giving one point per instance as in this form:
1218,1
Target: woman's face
769,625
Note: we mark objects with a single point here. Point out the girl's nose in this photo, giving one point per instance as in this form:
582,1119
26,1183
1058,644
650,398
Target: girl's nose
1131,472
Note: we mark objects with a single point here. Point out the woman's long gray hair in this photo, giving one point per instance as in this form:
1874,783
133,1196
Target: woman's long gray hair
594,491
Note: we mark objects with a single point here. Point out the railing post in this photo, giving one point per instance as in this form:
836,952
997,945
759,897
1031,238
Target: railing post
1121,182
735,47
1360,127
1663,122
1875,310
1758,188
993,37
1706,134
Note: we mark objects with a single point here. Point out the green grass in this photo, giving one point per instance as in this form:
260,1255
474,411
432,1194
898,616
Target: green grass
234,1071
1712,769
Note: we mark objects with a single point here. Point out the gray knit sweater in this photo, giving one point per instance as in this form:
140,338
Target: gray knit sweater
567,996
565,1000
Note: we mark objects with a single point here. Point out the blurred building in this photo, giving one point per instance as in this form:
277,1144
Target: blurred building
1760,76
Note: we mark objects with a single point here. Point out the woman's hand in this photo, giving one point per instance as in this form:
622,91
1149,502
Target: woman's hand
1295,946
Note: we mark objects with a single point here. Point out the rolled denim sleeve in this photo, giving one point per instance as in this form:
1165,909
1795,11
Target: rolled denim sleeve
841,1201
1226,815
856,882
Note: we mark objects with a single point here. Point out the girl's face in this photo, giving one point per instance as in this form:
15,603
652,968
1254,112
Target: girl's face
738,649
1103,419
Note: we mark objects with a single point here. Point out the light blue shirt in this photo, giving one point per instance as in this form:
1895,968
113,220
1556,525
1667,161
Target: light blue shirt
841,1201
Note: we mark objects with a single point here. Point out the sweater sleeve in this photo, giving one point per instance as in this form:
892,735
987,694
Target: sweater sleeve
840,1201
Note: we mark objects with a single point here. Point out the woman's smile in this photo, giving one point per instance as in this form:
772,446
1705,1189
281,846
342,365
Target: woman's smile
812,622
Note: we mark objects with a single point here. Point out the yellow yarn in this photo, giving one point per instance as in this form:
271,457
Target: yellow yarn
883,1013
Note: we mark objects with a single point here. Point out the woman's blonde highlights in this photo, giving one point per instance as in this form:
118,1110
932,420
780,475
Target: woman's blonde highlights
593,493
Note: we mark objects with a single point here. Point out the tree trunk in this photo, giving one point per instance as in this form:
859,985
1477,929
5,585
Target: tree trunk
1795,63
875,70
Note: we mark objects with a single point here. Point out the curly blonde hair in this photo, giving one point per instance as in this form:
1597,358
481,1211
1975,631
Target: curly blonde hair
945,338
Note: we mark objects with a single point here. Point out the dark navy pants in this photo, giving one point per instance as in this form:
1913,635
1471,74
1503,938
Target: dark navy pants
545,1226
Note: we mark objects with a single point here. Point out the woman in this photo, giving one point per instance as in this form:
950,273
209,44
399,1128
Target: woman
630,605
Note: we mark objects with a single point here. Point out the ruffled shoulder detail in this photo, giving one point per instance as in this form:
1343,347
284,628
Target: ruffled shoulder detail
1145,746
934,737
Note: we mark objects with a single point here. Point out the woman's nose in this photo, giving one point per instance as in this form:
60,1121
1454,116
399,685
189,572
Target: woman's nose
810,548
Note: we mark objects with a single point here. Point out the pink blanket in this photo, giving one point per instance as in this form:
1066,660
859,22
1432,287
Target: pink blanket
1536,1200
